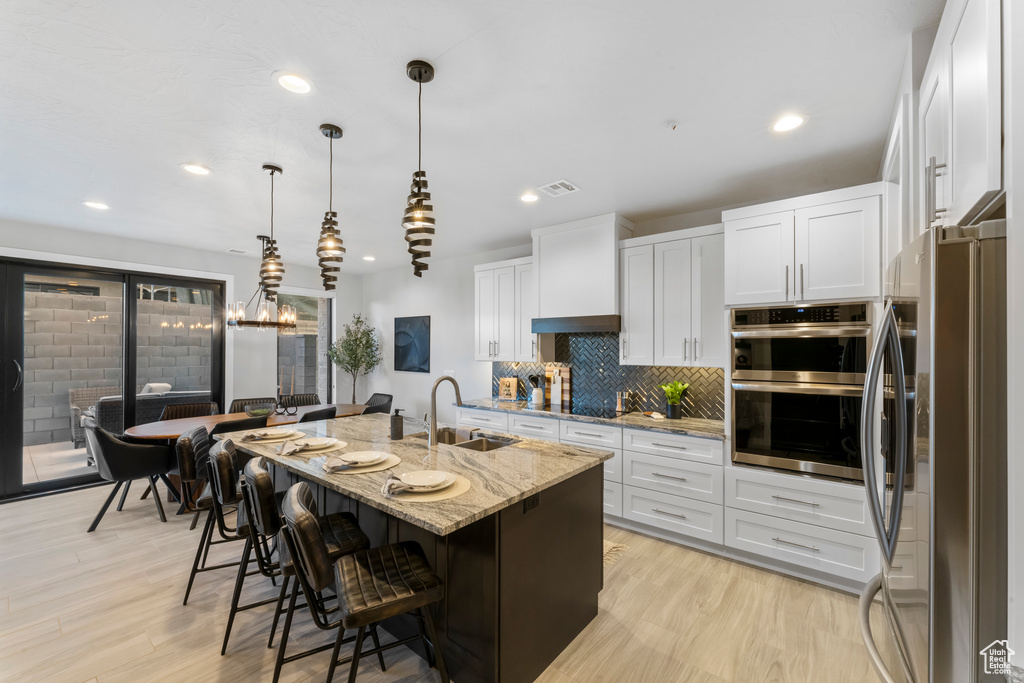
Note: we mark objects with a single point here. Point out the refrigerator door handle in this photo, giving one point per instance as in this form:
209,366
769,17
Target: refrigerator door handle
867,424
866,598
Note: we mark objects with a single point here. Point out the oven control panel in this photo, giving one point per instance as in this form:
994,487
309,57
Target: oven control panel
791,315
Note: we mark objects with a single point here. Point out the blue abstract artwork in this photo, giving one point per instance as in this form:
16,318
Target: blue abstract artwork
412,344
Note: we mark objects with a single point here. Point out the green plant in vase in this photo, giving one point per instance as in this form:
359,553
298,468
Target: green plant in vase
674,392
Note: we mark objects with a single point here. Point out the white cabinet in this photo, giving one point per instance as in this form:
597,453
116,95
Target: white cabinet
684,516
636,277
682,274
838,250
485,419
533,427
822,247
525,312
961,114
496,312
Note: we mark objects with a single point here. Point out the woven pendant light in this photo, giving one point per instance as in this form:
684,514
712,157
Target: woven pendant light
271,269
419,211
330,249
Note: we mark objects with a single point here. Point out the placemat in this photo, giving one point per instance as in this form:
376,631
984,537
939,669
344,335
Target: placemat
386,465
460,486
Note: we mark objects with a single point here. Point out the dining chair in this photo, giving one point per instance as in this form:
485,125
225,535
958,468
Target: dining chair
262,506
123,463
378,403
180,410
318,415
371,585
239,404
295,400
239,425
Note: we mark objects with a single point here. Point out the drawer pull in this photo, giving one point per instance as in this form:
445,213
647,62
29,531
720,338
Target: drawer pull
526,426
665,445
897,567
668,476
665,512
798,545
794,500
592,436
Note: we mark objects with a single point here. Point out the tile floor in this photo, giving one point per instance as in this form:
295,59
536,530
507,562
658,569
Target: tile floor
51,461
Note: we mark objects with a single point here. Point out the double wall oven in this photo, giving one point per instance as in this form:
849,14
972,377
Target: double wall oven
798,387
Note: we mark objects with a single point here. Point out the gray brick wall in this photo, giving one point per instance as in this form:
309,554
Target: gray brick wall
75,342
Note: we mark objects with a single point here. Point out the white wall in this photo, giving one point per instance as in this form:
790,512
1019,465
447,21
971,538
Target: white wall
251,355
445,293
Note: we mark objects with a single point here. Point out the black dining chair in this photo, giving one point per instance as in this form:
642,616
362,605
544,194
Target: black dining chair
239,404
123,462
318,415
296,400
378,403
180,410
239,425
371,585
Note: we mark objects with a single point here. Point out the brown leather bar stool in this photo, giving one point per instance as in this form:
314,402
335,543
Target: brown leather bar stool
371,585
261,507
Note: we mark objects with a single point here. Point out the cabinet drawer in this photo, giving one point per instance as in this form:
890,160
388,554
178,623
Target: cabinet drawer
813,501
587,434
533,427
613,468
833,552
903,575
688,447
673,513
673,475
612,499
482,418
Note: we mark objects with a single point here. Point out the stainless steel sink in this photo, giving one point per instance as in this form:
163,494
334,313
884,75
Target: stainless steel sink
445,435
485,444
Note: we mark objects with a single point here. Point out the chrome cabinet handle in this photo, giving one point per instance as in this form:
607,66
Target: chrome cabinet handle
666,512
533,351
897,567
695,348
592,436
668,476
801,281
936,211
496,351
798,545
787,283
490,349
686,343
526,426
21,375
667,445
794,500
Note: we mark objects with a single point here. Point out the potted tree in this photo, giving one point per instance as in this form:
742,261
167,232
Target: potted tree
358,350
674,392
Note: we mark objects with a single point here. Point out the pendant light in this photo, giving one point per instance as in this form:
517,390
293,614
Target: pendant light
419,212
271,270
330,249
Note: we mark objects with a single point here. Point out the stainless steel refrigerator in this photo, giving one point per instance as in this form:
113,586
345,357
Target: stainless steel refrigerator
934,445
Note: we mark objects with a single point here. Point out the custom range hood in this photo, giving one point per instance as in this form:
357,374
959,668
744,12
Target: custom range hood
577,271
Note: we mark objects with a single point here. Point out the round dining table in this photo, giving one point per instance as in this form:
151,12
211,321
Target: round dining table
172,429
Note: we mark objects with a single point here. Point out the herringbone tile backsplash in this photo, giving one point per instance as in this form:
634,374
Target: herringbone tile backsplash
597,375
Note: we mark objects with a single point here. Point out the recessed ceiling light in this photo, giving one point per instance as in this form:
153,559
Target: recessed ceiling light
788,122
92,204
369,258
528,197
197,169
292,82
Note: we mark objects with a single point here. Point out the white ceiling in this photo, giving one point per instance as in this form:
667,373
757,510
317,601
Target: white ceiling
103,99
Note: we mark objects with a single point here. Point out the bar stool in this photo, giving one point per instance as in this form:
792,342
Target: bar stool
261,507
371,585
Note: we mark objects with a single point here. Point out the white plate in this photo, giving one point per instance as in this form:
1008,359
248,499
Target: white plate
317,443
274,433
428,480
366,458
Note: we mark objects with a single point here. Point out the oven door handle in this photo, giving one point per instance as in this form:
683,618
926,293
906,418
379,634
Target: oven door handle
803,332
801,388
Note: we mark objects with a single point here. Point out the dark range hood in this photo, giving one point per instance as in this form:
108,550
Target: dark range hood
579,323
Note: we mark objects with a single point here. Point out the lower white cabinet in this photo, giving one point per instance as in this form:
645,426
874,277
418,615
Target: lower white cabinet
709,451
473,417
613,468
674,476
589,434
533,427
828,504
838,553
673,513
612,498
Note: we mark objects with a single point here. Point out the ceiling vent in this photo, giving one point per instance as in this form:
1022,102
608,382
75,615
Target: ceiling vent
236,251
559,188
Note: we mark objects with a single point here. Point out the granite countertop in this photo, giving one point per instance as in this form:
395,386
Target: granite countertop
499,478
691,426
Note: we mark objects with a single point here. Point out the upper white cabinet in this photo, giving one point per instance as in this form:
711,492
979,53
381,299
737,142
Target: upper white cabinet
636,339
495,312
821,247
672,299
526,311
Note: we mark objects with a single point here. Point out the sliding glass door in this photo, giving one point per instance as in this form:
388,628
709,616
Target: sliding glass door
73,340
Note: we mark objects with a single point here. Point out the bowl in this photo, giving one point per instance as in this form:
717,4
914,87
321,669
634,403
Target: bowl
259,409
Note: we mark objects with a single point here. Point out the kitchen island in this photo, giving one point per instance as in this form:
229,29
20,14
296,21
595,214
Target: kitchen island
520,552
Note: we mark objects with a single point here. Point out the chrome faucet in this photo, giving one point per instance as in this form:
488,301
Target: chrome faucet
432,436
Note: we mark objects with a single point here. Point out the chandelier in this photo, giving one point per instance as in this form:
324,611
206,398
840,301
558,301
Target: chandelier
330,249
419,212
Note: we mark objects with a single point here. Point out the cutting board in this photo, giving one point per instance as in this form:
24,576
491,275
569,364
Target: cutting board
565,398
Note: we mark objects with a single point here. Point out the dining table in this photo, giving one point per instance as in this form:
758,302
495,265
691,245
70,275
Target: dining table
172,429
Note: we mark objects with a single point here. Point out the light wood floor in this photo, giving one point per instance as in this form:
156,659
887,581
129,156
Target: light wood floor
106,606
